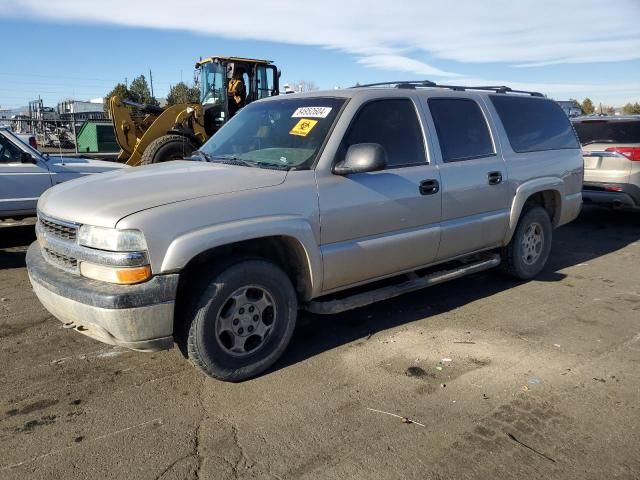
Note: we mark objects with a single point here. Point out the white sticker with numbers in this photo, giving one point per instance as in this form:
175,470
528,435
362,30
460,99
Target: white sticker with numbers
313,112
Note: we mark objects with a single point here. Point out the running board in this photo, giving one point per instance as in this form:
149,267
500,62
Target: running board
330,307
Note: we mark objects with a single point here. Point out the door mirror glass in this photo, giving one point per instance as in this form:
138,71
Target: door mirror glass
26,157
362,158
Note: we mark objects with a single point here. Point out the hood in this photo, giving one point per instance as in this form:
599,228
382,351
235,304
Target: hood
80,165
104,199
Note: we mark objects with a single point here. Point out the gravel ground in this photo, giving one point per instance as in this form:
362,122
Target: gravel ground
543,382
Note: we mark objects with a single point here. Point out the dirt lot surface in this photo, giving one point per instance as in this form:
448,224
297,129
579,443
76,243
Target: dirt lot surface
543,382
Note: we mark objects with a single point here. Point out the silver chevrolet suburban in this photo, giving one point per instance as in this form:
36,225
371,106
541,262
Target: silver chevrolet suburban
294,203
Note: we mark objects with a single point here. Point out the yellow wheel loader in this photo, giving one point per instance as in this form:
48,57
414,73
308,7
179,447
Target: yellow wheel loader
149,134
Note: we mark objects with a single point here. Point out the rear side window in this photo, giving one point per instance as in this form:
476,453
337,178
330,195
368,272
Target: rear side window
392,124
606,131
462,130
534,124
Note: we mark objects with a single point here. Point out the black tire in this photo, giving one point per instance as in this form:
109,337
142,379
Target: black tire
167,148
209,350
522,258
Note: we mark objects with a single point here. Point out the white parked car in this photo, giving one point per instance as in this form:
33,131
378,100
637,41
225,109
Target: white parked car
25,174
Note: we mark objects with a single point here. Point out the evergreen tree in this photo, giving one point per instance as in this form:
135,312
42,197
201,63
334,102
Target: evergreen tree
182,93
587,106
631,108
140,91
121,90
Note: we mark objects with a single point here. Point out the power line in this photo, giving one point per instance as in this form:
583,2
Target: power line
22,75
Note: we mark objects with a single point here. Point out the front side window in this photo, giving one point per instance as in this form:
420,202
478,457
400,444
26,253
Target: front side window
534,124
279,133
9,153
462,130
393,124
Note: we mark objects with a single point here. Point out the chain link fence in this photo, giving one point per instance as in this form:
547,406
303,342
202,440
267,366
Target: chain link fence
76,134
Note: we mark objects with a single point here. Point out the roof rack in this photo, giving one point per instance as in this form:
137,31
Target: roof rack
413,84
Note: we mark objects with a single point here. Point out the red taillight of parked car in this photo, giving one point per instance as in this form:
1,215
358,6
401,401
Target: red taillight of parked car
33,143
632,153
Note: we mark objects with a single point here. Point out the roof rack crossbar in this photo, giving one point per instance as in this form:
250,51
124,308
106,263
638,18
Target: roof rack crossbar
458,88
417,83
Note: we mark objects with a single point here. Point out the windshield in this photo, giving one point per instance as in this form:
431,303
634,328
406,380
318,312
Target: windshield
212,84
285,133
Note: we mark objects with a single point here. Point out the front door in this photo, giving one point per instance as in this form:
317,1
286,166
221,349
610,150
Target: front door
475,202
266,81
380,223
21,184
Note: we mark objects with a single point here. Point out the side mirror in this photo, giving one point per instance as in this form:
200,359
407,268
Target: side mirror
362,158
26,157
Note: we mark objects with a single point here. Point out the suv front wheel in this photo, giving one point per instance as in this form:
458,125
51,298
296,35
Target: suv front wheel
528,251
242,321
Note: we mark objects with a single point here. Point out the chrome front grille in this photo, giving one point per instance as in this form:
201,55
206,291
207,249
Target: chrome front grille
63,230
60,247
58,240
64,262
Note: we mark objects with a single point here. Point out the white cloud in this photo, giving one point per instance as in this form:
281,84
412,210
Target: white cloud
528,32
400,63
608,93
402,35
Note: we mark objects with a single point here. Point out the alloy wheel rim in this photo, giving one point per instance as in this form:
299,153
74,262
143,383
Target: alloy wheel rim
245,320
532,243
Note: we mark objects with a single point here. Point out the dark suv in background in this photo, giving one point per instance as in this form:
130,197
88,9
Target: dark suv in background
611,152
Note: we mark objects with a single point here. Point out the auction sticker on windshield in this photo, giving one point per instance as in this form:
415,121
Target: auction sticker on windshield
303,127
313,112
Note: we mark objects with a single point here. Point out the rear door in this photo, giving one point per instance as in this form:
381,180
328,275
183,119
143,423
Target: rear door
475,202
21,184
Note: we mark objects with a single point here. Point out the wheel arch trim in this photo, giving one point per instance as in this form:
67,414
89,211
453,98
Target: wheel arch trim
188,246
525,191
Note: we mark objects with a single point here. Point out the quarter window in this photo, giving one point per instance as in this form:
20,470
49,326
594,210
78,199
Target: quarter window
392,124
462,130
534,124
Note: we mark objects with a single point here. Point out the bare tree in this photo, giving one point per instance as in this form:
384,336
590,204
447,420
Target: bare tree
304,86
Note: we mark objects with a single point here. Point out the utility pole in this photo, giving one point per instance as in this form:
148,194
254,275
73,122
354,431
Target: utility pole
151,82
126,83
73,129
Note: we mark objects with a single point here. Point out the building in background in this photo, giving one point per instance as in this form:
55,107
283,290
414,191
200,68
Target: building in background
81,110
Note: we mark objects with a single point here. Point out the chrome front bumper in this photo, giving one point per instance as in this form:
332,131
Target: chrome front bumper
139,317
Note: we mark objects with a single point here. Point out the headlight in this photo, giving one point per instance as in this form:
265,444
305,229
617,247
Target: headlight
111,239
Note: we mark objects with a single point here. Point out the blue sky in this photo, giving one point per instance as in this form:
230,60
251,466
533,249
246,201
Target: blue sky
80,49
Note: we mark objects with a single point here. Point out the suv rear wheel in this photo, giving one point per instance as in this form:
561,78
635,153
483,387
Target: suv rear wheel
528,251
242,321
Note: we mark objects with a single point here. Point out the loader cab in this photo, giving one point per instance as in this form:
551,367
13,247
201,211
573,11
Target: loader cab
260,77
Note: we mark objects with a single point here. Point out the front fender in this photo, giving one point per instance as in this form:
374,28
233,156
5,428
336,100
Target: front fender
524,191
185,247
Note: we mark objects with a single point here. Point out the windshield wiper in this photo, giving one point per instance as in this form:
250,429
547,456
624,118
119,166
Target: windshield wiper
205,155
233,160
598,141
